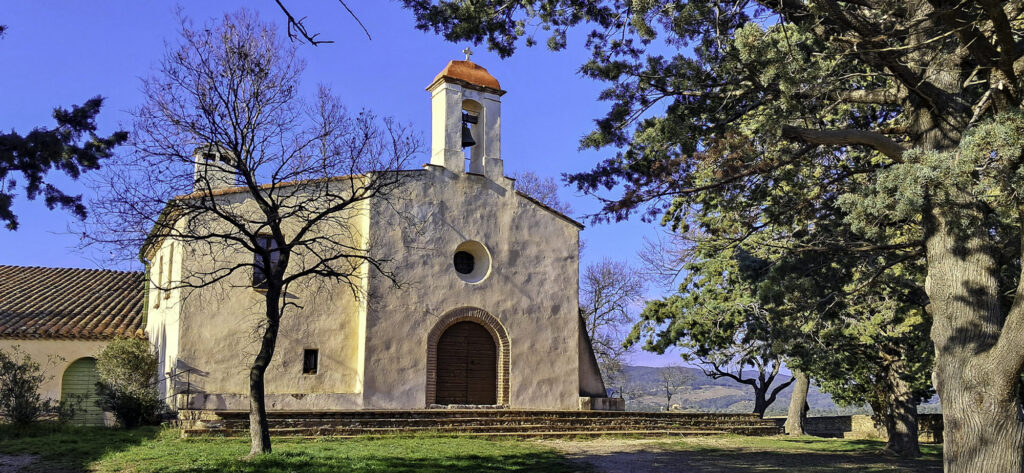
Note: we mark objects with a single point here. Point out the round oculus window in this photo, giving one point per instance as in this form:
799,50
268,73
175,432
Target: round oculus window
464,262
472,261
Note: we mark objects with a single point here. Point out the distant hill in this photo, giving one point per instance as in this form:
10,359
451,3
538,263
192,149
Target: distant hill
705,394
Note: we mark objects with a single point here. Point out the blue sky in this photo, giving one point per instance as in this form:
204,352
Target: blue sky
59,53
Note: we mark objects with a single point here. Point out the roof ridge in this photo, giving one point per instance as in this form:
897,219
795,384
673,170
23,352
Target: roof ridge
98,270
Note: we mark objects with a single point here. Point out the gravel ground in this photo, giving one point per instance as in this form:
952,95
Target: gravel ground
14,463
718,455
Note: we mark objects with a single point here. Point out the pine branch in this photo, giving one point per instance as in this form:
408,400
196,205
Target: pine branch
878,141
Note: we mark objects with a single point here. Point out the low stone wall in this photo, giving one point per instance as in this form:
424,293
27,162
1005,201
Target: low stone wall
602,404
862,426
498,423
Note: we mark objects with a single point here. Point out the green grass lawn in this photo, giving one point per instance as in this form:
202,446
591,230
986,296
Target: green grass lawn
65,450
162,450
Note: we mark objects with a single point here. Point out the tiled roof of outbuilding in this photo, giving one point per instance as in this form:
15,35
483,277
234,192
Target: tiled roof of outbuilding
70,303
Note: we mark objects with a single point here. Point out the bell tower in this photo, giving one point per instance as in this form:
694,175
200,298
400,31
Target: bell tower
212,168
466,113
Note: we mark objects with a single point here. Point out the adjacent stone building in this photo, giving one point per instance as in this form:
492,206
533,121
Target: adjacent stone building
63,317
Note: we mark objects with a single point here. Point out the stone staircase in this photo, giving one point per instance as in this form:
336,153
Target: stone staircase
496,423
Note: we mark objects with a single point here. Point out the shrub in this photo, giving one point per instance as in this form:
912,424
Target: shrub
20,379
128,369
65,410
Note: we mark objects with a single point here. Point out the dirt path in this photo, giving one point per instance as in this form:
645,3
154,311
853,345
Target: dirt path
14,463
718,455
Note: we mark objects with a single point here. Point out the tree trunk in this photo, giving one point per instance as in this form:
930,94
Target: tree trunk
984,425
882,414
760,401
259,428
902,426
798,404
981,433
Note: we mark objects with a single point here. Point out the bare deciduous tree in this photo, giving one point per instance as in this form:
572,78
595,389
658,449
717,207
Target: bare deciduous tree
674,379
618,381
231,164
544,189
610,293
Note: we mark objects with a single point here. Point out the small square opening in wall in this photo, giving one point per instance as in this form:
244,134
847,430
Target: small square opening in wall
310,361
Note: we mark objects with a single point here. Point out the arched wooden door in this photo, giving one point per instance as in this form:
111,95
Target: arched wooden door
80,380
467,365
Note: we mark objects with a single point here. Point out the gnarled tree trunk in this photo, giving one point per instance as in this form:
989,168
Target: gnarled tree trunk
798,404
983,432
977,366
762,400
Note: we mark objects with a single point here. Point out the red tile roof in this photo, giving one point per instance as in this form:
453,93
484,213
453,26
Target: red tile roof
469,73
70,303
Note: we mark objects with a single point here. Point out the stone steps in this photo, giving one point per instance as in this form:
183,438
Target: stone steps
488,413
480,422
336,430
470,426
313,433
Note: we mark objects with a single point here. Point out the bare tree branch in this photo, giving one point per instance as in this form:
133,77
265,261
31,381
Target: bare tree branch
297,27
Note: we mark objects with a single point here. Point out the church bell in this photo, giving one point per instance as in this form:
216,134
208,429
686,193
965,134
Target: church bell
467,135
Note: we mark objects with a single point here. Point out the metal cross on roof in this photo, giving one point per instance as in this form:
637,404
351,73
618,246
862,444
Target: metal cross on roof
467,52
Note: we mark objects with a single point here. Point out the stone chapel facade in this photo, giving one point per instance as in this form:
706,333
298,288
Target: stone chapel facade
489,317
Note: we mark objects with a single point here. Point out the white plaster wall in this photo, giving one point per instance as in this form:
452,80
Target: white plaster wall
532,289
219,334
163,311
54,356
374,355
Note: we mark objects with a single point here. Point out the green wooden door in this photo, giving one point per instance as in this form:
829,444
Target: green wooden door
80,379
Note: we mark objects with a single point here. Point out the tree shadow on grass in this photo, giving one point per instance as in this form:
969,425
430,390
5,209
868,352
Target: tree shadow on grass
665,459
842,445
66,449
299,462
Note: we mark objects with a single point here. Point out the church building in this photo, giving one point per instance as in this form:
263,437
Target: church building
489,316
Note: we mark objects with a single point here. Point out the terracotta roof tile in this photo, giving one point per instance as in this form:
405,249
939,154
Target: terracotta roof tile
69,303
468,72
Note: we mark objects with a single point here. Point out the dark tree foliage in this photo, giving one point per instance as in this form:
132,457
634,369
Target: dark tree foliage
889,129
718,322
72,147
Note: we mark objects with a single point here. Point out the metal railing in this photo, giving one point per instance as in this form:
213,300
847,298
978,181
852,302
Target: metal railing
174,392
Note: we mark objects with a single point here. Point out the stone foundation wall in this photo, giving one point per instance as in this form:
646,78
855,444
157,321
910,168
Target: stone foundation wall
602,404
862,426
